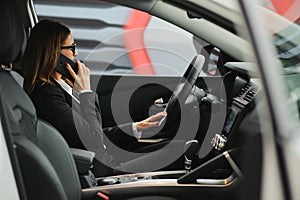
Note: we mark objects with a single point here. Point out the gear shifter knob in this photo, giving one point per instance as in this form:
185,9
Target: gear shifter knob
191,149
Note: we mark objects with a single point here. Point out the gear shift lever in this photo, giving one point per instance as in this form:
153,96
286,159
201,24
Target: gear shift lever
191,149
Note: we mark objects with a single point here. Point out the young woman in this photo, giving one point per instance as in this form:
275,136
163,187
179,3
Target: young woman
71,107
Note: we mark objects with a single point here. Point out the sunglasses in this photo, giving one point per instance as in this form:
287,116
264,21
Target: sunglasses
72,47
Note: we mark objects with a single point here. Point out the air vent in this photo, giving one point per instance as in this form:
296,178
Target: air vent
250,94
246,95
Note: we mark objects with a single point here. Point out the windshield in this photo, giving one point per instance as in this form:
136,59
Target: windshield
283,25
282,19
286,42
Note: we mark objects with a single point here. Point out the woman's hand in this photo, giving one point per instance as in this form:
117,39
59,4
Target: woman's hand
81,79
150,122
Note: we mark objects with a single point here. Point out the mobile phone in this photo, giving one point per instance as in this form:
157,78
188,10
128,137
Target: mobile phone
61,66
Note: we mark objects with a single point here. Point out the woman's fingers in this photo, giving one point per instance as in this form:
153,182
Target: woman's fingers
82,69
79,67
69,82
158,116
86,70
144,125
71,71
151,122
82,80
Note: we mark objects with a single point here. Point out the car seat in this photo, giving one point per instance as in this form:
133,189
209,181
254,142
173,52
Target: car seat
46,163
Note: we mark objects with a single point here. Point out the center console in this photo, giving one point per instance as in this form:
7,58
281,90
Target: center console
241,105
155,185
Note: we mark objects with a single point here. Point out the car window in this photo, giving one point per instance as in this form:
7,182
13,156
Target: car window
284,30
114,39
287,9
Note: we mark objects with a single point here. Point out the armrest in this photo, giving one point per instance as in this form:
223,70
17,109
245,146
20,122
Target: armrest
83,159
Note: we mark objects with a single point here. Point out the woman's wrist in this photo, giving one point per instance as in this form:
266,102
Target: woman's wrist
136,132
85,90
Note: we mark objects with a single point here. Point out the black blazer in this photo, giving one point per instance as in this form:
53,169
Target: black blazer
80,124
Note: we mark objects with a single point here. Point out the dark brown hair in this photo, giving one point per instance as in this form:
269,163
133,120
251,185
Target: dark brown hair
42,51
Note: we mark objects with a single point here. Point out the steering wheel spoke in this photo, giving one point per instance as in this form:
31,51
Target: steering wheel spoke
183,90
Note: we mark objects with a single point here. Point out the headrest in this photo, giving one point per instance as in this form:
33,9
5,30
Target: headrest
12,34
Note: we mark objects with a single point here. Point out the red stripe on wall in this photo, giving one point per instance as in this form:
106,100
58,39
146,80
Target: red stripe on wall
282,6
134,42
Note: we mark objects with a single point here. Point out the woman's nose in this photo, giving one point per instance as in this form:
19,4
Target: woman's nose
76,53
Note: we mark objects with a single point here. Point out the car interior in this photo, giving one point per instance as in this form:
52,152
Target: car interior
213,161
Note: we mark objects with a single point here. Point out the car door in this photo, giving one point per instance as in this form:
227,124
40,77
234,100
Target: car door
281,81
130,77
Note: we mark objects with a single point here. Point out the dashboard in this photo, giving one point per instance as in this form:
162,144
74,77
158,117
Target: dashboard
243,89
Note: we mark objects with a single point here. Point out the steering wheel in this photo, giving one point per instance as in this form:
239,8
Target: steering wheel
182,91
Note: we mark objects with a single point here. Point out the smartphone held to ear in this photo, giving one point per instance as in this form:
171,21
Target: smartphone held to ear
61,66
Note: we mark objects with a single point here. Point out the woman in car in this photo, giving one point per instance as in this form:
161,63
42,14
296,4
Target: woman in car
70,106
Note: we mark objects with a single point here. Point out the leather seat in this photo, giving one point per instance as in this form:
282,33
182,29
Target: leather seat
46,164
